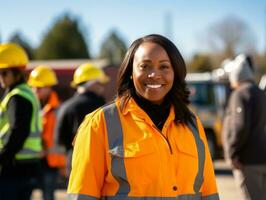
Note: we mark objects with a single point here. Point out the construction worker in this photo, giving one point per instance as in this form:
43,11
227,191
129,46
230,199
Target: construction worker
20,127
42,79
88,81
147,144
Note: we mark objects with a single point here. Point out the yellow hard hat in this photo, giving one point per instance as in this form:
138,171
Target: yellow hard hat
42,76
12,55
87,72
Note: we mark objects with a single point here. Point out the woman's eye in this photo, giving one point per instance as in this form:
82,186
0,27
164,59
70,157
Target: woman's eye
165,67
144,66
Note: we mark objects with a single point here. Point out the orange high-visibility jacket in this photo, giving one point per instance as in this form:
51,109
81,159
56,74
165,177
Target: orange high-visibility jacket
54,157
135,160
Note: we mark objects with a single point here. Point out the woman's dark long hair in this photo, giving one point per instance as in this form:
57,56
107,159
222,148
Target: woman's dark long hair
178,95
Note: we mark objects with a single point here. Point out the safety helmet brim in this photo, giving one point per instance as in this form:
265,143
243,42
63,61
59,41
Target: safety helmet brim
103,79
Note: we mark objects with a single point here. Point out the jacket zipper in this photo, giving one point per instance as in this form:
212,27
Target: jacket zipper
169,145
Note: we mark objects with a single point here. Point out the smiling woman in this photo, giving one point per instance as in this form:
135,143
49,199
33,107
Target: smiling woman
147,144
153,74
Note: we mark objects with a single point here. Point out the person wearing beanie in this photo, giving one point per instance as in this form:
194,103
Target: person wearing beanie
241,71
244,130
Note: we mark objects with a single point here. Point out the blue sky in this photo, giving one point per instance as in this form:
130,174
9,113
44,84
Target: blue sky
190,19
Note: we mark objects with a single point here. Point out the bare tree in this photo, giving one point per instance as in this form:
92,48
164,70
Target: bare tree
231,36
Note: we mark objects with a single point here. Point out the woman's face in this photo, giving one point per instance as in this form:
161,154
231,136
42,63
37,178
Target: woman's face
153,74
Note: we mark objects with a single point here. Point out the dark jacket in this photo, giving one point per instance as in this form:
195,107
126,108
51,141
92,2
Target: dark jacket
71,114
244,130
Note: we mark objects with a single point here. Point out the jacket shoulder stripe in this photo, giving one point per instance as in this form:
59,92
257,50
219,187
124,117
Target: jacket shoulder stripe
201,154
115,140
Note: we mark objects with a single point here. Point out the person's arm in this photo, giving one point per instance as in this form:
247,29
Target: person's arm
89,160
63,128
238,126
209,187
19,112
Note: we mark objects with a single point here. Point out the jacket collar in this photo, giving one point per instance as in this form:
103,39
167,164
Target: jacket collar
131,107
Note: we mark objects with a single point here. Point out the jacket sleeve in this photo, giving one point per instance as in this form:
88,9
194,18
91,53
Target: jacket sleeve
19,113
89,160
236,126
64,126
209,187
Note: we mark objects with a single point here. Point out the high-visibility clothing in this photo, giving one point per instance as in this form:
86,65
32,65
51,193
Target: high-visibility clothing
120,154
32,146
55,157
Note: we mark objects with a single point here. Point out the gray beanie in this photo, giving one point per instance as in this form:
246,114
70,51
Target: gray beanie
240,70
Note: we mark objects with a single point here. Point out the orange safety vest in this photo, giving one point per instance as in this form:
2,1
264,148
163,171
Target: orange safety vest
120,154
54,157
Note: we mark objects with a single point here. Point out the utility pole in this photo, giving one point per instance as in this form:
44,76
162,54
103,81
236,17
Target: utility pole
168,25
265,30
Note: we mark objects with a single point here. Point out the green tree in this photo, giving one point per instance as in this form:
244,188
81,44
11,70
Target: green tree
113,48
18,38
200,63
64,40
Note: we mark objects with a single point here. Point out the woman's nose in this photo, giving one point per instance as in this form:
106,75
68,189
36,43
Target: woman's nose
152,74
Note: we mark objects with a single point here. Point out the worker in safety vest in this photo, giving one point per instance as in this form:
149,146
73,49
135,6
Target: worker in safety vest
147,144
42,79
20,127
88,81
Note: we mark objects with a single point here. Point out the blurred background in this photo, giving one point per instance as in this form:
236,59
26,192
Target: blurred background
206,32
65,34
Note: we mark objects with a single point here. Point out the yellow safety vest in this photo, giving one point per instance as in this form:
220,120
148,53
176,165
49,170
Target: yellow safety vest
32,145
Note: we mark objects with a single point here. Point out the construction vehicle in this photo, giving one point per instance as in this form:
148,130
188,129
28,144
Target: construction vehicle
208,98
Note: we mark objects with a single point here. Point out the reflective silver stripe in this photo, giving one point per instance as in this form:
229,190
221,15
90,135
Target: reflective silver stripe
181,197
56,149
115,139
143,198
189,197
201,154
29,152
80,197
211,197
